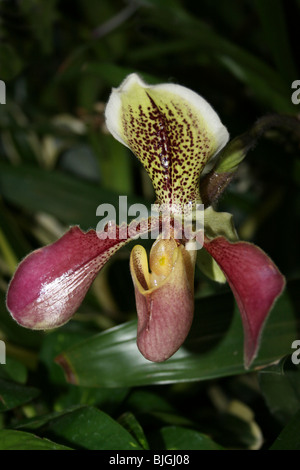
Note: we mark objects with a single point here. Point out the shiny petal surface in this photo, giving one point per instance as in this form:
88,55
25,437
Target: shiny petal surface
50,283
165,311
173,131
255,282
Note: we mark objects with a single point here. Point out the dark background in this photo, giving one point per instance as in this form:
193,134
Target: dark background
59,60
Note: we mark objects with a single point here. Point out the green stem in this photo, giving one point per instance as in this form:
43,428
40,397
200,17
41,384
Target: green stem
8,254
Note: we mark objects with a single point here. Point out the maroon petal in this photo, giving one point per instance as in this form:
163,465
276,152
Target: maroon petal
165,305
255,282
50,283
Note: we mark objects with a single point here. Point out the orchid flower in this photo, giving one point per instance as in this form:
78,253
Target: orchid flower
177,136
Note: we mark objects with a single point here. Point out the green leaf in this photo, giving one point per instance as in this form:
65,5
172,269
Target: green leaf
11,230
109,400
13,394
177,438
115,155
41,22
13,370
90,428
235,427
272,17
278,382
214,347
56,342
288,439
131,424
264,82
7,252
38,421
113,74
72,201
146,401
85,427
19,440
10,62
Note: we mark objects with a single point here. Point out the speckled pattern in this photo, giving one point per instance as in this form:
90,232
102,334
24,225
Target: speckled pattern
165,133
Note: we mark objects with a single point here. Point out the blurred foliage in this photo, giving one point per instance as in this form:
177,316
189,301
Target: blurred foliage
59,60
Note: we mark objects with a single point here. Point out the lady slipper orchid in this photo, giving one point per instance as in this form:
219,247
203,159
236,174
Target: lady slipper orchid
177,136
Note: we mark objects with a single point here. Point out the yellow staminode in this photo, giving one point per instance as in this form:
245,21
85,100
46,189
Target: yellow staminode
162,260
167,261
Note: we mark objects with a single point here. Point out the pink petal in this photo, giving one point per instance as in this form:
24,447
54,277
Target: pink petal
165,312
255,282
50,283
165,318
